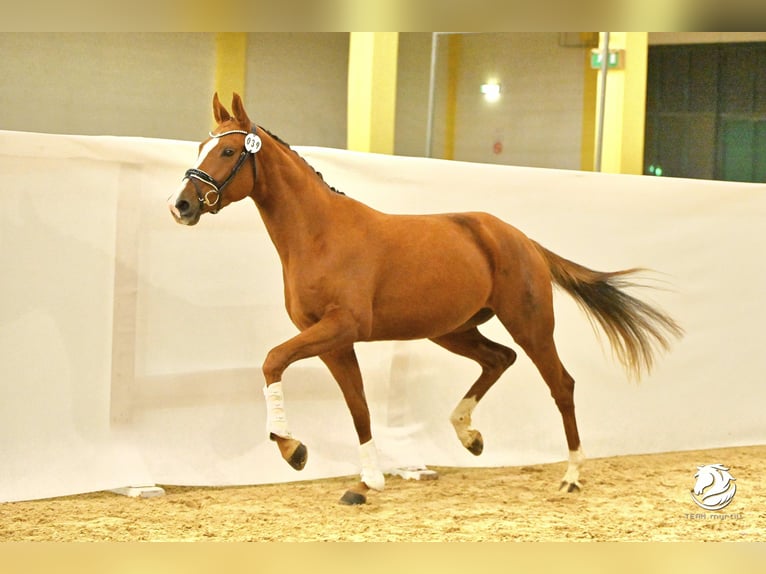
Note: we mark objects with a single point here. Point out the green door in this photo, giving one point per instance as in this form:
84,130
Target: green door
742,149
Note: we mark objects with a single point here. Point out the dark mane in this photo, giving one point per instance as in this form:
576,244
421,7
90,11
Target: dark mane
287,145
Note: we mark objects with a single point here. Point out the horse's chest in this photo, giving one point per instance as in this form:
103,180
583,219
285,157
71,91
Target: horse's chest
306,299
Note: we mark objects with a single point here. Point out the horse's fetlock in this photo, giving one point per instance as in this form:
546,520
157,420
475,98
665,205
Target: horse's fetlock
460,420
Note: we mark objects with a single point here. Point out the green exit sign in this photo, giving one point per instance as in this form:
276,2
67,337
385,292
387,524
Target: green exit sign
616,59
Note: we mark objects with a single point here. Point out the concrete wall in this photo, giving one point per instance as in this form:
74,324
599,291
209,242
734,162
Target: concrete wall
538,118
296,85
412,93
131,84
160,85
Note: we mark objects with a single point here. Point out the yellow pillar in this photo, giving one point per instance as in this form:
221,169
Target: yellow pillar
230,64
454,47
372,91
625,106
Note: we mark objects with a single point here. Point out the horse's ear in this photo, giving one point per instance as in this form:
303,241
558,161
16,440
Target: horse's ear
238,109
219,112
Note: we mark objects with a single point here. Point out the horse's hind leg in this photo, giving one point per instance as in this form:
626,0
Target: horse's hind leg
344,367
561,385
494,360
534,333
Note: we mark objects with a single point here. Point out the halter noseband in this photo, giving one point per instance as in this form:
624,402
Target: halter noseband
252,145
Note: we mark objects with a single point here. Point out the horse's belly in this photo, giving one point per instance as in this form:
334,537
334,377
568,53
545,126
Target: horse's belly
428,302
417,325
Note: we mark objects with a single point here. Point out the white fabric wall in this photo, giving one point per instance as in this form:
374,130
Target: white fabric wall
130,347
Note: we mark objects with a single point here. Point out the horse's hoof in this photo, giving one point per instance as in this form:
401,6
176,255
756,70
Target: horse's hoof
477,446
298,459
569,486
292,450
351,498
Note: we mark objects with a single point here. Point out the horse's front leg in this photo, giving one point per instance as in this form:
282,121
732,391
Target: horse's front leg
345,368
337,329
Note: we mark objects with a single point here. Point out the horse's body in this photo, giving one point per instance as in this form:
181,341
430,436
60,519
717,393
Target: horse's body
403,279
352,273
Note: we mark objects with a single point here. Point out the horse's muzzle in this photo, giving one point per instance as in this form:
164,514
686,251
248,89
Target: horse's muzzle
185,211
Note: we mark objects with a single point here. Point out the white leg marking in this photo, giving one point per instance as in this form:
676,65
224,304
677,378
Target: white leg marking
461,420
572,476
276,419
371,474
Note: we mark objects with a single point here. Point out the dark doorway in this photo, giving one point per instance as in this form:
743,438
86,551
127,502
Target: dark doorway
706,112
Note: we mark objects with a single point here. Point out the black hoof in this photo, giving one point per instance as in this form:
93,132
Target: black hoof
476,447
569,486
298,459
351,498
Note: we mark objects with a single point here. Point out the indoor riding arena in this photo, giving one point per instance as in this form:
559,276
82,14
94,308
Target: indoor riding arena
132,347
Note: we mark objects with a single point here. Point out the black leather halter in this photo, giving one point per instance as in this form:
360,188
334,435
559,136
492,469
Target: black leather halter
252,145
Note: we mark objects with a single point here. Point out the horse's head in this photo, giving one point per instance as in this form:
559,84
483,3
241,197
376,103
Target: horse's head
220,176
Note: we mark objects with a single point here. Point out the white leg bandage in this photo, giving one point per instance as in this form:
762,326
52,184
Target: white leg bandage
276,420
371,474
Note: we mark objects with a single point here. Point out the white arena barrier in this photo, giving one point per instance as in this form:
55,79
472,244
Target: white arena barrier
131,347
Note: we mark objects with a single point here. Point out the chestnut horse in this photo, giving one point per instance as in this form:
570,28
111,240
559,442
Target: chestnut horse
352,273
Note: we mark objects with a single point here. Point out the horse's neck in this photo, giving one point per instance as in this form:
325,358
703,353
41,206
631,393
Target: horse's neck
294,202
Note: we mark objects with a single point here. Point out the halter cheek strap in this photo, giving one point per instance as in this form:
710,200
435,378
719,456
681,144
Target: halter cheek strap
252,146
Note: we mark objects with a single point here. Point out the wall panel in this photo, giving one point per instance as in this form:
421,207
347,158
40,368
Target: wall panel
130,84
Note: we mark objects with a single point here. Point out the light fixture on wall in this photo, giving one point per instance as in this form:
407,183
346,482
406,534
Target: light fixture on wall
491,91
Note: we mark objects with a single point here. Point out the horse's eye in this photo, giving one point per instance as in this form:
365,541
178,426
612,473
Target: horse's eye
228,152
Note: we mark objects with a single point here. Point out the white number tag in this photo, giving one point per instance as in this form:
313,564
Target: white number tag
252,143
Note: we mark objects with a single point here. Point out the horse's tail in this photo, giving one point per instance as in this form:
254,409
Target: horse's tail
634,328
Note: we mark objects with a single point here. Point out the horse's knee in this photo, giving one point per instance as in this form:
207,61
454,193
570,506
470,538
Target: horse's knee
273,367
